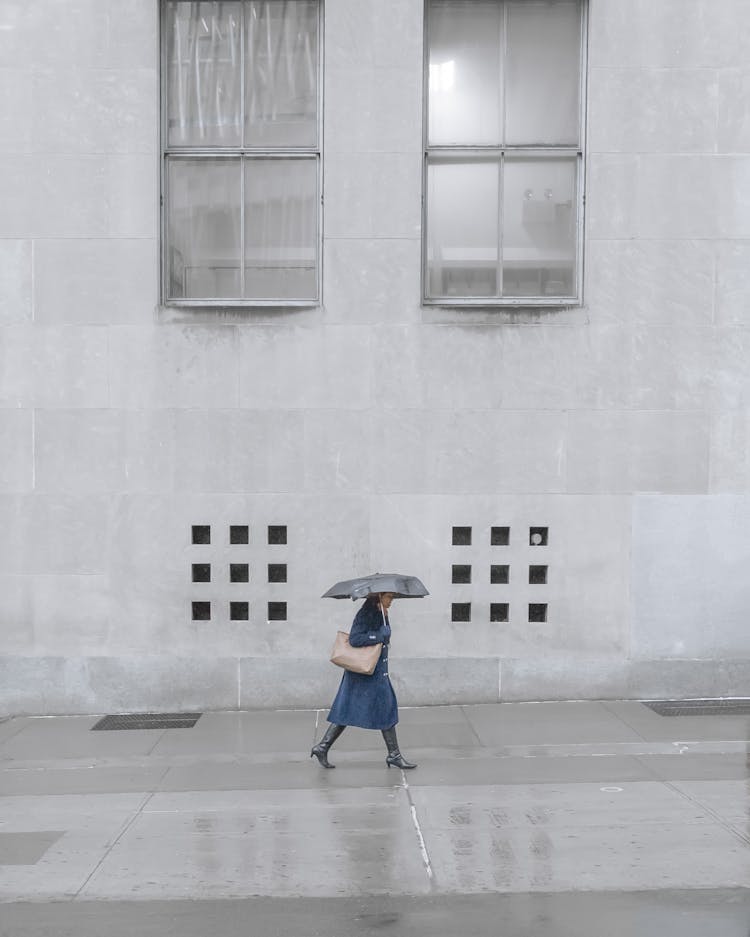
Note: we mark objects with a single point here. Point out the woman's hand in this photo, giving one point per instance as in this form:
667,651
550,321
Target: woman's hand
367,638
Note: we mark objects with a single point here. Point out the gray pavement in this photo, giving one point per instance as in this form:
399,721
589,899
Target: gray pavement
522,819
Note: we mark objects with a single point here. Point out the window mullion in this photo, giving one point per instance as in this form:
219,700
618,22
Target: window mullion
242,227
243,83
503,42
165,78
579,224
500,228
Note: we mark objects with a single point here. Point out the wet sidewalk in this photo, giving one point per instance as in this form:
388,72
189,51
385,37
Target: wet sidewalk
532,818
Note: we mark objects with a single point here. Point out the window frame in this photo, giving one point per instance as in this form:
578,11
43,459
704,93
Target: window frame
500,151
244,154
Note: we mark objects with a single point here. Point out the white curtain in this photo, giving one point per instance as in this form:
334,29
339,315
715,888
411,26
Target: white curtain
206,51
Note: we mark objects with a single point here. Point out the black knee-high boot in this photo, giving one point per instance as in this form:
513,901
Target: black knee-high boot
394,757
321,749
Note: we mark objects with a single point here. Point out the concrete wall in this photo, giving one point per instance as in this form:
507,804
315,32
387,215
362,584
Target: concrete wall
372,425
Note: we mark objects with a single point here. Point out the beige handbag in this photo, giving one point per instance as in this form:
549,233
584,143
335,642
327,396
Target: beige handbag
356,659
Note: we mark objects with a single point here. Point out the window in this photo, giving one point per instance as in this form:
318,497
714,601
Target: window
241,152
503,176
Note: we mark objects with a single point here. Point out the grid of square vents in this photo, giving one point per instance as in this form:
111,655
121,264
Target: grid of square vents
237,572
500,573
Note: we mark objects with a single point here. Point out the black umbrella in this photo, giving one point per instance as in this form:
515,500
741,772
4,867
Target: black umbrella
402,587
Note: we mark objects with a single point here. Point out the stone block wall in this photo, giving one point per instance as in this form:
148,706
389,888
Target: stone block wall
370,426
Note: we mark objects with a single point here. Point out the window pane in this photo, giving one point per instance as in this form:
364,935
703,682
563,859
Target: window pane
281,228
542,72
282,73
539,235
203,225
462,226
203,74
464,41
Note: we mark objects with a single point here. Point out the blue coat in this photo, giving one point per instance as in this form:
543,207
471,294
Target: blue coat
367,700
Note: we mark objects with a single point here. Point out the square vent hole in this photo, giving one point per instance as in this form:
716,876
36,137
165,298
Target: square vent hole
499,574
201,533
499,611
500,536
239,611
201,611
461,611
461,574
239,533
239,572
462,536
277,534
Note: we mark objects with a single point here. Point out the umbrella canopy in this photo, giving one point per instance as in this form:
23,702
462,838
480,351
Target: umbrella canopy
402,587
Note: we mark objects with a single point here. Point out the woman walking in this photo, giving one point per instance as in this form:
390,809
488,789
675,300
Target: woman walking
366,700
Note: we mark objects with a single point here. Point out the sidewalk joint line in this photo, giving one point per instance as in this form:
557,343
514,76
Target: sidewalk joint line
162,736
726,824
606,705
317,724
123,830
471,726
418,828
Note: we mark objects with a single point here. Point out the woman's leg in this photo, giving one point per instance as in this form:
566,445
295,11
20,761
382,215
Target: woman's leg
320,751
394,757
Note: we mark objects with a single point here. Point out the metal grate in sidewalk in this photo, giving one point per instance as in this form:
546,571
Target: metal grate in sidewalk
147,721
700,707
